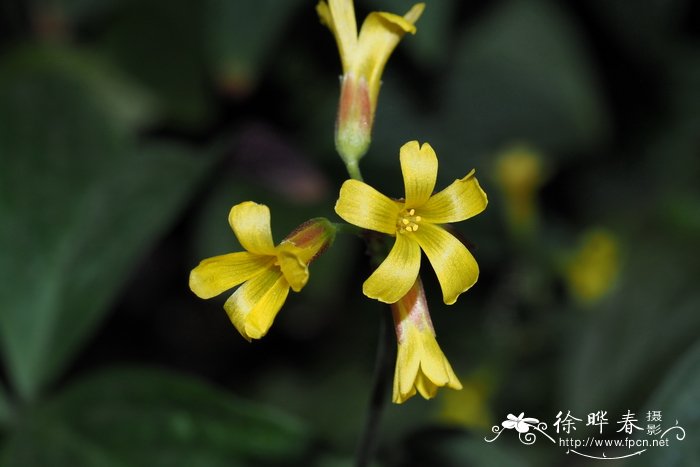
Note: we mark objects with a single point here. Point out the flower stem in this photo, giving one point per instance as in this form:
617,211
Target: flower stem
379,395
354,170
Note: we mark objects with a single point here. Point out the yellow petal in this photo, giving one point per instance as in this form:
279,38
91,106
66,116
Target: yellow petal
397,273
218,274
294,269
397,397
435,365
420,365
253,307
339,17
379,35
407,366
413,14
425,386
455,267
363,206
461,200
419,166
251,224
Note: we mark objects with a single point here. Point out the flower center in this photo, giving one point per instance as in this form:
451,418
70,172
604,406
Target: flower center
407,221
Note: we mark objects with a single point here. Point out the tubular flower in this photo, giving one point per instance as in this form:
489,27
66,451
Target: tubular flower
266,271
416,223
420,364
363,58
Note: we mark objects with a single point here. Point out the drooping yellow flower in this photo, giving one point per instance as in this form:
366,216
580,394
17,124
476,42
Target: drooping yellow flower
363,58
266,271
420,364
416,223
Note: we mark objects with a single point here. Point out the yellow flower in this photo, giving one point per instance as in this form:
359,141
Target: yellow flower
469,407
266,271
415,222
592,270
363,58
520,173
420,364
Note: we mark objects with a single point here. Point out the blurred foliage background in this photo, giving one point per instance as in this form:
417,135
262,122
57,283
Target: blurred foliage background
129,128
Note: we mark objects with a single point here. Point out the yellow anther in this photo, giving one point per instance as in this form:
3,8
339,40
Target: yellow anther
408,221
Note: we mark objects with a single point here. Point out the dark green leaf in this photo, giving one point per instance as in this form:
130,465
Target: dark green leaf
5,409
129,105
449,448
134,417
159,43
73,12
522,74
80,201
613,359
678,400
239,36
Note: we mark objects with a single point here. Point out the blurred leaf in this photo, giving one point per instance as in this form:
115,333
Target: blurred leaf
79,202
73,11
135,417
334,390
239,36
522,74
335,461
5,409
159,43
678,399
635,334
450,448
129,105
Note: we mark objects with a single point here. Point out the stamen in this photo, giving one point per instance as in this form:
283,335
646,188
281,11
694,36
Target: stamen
407,221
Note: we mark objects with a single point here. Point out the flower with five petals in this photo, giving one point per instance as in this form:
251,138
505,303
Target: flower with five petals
266,271
416,223
363,59
420,364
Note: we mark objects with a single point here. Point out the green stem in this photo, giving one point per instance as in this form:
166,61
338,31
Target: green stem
354,170
379,395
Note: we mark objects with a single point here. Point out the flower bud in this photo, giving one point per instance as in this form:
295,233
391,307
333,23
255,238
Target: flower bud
353,127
